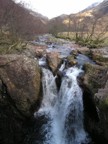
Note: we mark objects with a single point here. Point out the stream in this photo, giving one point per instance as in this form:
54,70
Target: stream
61,113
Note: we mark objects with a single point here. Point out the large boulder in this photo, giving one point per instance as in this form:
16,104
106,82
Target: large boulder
35,50
95,76
54,60
101,99
81,50
21,77
96,79
71,60
19,95
100,56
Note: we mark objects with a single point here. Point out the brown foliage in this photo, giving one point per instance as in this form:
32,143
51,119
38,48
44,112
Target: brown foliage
18,20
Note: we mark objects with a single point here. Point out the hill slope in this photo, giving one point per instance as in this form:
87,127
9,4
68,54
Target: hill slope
20,21
95,11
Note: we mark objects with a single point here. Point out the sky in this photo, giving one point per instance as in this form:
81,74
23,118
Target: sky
53,8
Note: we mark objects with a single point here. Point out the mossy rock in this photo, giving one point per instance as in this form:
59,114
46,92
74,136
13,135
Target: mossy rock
100,56
102,127
16,47
104,104
71,60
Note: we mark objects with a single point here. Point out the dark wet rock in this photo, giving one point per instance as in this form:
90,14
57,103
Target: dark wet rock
49,43
101,99
12,123
71,60
88,100
99,129
34,133
59,79
19,96
96,79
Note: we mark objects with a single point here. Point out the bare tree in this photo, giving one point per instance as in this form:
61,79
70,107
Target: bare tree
90,31
18,20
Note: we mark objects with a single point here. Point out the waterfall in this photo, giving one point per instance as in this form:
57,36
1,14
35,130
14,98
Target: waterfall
70,107
63,110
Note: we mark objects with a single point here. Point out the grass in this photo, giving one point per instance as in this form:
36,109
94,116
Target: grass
82,40
10,44
16,47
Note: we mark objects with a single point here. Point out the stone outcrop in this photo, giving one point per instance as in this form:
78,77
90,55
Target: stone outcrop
101,99
95,76
19,96
21,76
96,79
35,50
71,60
53,60
100,56
81,50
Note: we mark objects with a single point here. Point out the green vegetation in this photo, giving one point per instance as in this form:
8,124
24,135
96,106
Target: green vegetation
87,28
11,44
104,104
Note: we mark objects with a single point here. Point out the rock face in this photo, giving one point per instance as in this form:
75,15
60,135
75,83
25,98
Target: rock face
71,60
19,95
101,98
96,78
35,50
81,50
21,76
53,60
100,56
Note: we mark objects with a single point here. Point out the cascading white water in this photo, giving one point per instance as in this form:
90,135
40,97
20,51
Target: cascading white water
64,110
70,107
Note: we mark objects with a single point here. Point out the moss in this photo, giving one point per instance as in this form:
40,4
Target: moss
16,47
71,60
104,104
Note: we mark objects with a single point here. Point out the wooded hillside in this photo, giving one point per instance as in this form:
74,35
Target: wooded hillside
18,21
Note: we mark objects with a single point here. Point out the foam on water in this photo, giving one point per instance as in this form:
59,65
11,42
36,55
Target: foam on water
64,109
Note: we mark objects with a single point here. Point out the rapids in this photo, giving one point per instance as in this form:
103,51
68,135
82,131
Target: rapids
63,109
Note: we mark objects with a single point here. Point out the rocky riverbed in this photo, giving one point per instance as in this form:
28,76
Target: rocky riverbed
21,86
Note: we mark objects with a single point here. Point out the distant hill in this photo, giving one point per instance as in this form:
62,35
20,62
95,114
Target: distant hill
102,8
21,21
38,21
56,24
91,6
94,11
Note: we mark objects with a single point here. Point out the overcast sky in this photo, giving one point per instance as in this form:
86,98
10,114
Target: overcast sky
53,8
